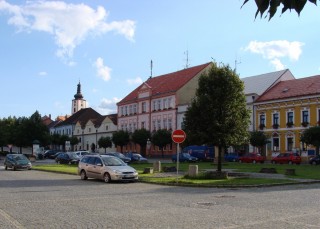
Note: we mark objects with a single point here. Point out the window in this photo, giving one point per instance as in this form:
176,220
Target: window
289,143
170,124
122,111
159,104
135,108
154,125
143,125
170,102
290,117
165,104
130,109
144,107
126,110
107,127
275,143
165,123
159,124
276,119
262,119
154,105
305,116
89,130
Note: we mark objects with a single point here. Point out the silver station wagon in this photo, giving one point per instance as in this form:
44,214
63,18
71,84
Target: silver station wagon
107,168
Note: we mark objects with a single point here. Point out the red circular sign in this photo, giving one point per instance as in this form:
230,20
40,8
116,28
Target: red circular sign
178,136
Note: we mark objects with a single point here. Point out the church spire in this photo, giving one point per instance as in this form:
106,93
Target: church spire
78,95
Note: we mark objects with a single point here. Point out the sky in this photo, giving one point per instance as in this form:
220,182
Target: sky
48,47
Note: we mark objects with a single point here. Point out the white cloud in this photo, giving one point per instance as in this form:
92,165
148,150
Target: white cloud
42,73
69,24
137,80
108,106
274,50
102,71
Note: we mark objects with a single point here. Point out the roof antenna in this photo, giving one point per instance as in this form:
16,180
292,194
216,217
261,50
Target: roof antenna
151,66
236,63
187,58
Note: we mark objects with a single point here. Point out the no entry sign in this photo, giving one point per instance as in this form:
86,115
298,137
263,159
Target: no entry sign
178,136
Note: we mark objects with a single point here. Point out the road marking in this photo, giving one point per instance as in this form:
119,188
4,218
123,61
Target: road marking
11,219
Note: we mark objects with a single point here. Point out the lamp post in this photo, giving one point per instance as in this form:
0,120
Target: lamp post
148,146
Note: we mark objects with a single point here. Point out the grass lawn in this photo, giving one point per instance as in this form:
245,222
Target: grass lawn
302,172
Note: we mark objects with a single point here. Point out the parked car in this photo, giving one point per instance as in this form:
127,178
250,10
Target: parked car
287,158
203,153
67,158
82,153
17,161
314,160
231,157
136,157
120,155
184,157
49,153
105,167
252,158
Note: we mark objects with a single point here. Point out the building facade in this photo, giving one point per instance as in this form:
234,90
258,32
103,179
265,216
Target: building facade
285,111
154,104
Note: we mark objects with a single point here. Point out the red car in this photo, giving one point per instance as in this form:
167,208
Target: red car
287,158
252,158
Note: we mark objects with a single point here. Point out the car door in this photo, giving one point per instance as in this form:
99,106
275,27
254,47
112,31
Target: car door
97,168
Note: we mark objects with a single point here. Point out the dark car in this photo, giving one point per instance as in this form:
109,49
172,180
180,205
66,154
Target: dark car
231,157
287,158
252,158
49,153
314,160
184,157
67,158
17,161
136,157
120,155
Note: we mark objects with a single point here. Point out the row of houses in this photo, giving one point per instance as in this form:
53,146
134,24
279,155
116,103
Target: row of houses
281,106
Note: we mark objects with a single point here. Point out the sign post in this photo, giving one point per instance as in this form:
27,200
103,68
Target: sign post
178,136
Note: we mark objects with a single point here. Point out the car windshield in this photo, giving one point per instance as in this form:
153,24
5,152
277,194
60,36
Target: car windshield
185,155
113,161
137,155
19,157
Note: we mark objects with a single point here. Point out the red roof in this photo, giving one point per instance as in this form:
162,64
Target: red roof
293,88
166,84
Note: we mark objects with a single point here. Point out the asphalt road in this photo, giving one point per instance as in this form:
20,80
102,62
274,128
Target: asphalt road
35,199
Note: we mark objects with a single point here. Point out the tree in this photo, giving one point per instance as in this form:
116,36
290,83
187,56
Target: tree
311,136
62,141
105,142
258,139
141,138
218,113
120,138
73,141
272,6
161,138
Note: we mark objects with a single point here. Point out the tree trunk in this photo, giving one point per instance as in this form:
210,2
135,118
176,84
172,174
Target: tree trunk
219,158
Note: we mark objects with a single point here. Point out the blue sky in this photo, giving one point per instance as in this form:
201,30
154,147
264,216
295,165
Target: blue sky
46,47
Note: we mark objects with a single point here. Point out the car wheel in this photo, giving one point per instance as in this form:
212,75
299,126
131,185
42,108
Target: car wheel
240,161
290,162
69,162
273,162
106,178
254,162
234,160
83,175
314,163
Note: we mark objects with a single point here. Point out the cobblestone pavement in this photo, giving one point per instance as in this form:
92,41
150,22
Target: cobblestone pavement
35,199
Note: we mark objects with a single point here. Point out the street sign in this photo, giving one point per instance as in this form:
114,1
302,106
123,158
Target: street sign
178,136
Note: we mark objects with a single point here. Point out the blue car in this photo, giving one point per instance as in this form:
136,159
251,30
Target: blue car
231,157
184,157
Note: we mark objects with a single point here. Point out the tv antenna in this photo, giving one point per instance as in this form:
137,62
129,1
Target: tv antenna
187,59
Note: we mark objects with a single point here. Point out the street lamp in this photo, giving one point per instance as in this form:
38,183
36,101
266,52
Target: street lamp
148,146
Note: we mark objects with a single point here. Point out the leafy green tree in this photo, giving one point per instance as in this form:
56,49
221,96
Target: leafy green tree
73,141
272,6
141,137
161,138
62,141
105,142
311,136
120,138
218,114
55,140
258,139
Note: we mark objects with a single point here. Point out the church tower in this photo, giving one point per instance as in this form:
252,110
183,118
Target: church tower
78,102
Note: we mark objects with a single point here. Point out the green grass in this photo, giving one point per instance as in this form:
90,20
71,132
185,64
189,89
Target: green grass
302,172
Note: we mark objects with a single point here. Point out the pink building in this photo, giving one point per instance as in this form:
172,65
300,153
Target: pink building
155,103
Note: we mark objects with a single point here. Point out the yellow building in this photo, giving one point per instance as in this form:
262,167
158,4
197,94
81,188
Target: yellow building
285,111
